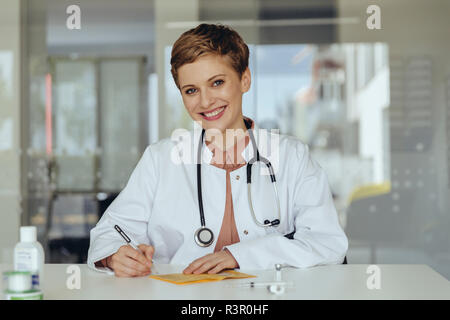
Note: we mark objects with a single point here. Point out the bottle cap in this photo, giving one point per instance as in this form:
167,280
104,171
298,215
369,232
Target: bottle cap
28,234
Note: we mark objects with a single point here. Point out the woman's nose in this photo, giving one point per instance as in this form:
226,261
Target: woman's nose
206,100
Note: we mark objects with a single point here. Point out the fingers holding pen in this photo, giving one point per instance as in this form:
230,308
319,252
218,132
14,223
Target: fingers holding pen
129,262
138,256
148,252
124,271
132,256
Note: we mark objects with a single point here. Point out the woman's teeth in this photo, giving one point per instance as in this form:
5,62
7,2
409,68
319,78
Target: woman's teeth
214,113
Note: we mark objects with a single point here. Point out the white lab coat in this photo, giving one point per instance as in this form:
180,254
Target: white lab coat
159,206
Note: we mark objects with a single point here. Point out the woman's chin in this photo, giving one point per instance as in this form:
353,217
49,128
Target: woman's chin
219,124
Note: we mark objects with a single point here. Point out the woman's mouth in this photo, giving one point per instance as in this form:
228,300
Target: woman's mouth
214,114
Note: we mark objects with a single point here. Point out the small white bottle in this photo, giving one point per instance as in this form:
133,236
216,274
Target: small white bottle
29,255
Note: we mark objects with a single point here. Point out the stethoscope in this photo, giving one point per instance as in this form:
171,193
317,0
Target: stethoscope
204,236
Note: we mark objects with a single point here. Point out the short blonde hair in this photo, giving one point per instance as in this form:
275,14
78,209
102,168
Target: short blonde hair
209,39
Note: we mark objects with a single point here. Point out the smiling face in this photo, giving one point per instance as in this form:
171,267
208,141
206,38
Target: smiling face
212,92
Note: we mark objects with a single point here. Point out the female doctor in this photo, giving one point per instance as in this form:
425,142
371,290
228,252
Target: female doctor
200,214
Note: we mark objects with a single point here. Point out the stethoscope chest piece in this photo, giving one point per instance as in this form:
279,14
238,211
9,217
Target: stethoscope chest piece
204,237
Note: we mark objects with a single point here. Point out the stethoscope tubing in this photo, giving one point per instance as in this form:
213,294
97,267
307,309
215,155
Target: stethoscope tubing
256,158
199,180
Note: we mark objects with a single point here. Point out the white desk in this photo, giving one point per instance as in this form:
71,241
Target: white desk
323,282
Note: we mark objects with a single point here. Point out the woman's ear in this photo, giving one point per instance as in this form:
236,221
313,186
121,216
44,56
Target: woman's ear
246,80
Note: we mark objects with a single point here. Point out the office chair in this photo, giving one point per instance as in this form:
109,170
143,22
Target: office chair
63,247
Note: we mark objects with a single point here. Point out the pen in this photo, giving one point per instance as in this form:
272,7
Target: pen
129,240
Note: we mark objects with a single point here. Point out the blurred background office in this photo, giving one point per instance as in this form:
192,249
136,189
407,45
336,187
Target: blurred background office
79,106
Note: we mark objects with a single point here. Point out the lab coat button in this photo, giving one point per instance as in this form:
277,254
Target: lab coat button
237,177
245,232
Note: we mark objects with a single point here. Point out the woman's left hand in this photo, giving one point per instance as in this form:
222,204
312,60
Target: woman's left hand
212,263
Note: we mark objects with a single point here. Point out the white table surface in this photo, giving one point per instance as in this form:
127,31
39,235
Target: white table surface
322,282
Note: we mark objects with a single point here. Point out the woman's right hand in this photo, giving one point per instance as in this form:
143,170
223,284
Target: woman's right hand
128,262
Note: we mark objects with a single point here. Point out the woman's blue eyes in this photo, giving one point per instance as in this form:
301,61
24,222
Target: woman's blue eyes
189,91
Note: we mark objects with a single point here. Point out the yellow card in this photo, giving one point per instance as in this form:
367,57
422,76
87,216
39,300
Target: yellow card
180,278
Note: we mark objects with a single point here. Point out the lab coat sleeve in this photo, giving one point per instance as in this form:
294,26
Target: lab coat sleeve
319,238
130,210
